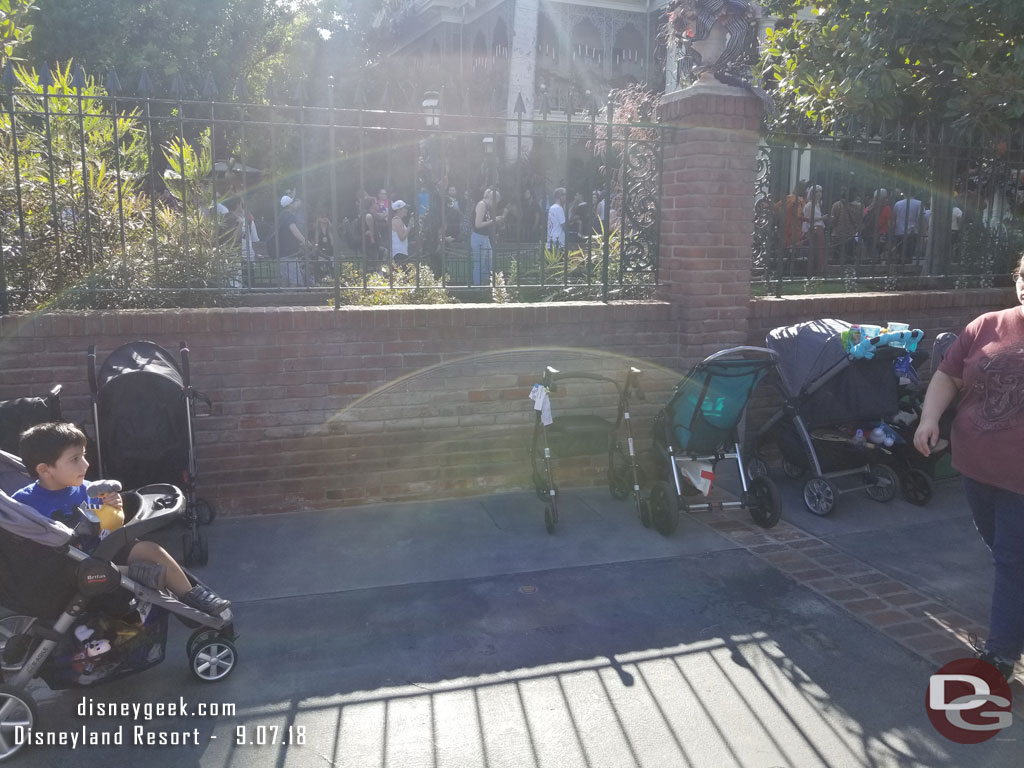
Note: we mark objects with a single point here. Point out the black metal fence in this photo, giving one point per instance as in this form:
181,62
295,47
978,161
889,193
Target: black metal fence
901,207
116,200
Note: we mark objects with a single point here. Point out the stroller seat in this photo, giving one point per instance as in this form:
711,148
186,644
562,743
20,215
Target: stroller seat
708,403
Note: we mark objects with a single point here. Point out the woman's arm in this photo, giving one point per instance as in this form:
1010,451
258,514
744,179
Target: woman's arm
942,390
480,213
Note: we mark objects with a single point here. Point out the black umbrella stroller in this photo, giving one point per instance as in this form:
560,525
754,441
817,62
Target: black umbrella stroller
23,412
581,435
832,386
699,427
142,405
81,620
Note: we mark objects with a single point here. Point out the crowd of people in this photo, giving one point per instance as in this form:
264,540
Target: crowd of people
389,230
875,228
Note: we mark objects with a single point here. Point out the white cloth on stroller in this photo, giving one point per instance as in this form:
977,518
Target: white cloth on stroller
542,403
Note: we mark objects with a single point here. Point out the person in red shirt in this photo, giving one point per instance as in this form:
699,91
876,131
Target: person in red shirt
985,366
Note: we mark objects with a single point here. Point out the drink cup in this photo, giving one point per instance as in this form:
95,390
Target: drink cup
897,328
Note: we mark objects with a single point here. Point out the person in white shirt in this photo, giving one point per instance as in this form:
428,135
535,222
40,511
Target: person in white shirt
814,229
556,220
906,226
954,235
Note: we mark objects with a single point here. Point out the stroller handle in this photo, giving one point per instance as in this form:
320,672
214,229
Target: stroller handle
185,369
764,352
91,356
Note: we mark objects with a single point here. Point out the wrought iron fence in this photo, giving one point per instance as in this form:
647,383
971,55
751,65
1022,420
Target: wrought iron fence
114,200
902,207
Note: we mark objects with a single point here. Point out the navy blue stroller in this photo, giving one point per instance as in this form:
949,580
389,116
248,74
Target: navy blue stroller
829,389
698,428
143,404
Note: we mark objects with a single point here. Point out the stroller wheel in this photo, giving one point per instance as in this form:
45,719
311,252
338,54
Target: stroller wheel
756,467
917,487
16,709
764,502
884,484
549,519
645,513
664,508
187,548
820,495
206,513
791,470
212,658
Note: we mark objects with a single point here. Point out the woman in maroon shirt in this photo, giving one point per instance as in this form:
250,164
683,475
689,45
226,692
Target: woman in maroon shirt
985,365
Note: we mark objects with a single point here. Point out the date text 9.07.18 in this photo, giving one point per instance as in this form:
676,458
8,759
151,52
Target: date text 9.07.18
260,735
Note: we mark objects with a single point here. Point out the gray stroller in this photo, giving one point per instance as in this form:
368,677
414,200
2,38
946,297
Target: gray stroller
79,619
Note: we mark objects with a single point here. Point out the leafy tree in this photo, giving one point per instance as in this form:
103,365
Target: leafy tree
14,31
960,62
193,38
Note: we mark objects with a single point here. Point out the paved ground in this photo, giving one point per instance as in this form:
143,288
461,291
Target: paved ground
460,634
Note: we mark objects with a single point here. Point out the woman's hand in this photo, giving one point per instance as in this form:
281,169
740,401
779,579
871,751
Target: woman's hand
113,499
926,436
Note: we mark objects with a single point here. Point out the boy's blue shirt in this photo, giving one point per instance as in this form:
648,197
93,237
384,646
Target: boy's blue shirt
56,505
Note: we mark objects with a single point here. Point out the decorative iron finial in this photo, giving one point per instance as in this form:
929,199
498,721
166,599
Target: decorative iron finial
520,107
145,84
78,81
241,89
45,77
112,84
210,88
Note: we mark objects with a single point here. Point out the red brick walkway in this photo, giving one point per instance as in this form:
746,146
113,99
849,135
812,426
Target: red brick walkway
912,618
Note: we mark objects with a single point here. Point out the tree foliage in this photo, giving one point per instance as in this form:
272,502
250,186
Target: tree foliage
15,31
959,62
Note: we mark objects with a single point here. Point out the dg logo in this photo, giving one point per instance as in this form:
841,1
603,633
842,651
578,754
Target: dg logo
968,701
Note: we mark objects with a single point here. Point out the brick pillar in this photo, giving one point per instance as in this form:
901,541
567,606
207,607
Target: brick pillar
707,214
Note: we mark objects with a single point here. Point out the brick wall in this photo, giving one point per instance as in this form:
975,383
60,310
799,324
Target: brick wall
316,408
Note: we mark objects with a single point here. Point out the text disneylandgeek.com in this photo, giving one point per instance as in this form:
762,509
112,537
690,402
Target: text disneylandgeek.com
138,734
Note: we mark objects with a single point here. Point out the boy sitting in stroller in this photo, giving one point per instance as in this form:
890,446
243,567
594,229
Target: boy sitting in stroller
54,454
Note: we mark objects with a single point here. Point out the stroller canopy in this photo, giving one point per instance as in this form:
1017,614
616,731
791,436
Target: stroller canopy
707,405
851,390
142,418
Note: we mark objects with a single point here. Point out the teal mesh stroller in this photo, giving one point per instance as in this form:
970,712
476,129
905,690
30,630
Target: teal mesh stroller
698,428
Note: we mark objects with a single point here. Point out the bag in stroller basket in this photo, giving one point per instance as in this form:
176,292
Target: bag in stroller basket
143,405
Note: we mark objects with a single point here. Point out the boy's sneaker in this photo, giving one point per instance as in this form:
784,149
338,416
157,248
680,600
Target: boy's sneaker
202,599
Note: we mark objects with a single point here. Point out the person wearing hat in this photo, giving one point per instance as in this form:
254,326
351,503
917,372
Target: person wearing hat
399,231
290,241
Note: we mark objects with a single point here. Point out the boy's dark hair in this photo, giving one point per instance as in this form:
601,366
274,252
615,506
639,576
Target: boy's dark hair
44,444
